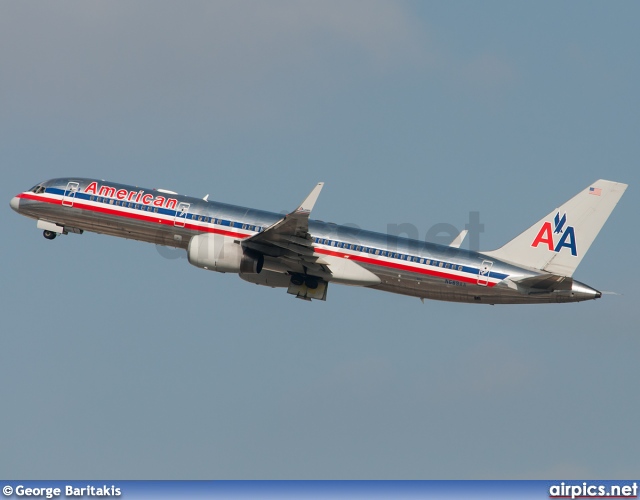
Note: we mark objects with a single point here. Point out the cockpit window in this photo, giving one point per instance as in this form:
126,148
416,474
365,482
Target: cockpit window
37,189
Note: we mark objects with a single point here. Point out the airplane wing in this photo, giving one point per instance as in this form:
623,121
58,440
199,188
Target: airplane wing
289,238
289,243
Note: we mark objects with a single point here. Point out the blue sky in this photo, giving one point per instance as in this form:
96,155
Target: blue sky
119,362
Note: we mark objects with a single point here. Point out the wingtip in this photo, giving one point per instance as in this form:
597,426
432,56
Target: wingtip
310,200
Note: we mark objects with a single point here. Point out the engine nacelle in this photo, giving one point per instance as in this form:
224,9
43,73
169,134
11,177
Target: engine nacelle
215,252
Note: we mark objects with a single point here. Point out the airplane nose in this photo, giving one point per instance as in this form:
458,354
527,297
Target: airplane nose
15,203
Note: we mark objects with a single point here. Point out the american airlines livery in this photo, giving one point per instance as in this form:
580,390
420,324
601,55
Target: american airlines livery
304,255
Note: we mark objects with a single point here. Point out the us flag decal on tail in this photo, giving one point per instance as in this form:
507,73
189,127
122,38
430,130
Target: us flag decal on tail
595,191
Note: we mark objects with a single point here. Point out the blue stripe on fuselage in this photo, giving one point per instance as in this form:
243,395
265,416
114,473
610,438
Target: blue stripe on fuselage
225,222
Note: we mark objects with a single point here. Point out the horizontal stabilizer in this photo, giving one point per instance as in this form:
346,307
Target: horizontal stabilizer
548,282
459,239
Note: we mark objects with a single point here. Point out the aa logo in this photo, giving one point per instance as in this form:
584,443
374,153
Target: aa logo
566,236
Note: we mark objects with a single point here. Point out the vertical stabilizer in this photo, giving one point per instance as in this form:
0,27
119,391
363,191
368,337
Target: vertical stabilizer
558,242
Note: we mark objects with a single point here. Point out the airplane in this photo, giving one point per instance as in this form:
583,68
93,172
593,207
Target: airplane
304,255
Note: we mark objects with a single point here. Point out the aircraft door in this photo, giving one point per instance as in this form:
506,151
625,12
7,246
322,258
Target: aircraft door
181,214
70,194
483,274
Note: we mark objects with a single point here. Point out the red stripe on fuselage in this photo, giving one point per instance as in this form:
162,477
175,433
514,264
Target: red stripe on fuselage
193,227
130,215
401,267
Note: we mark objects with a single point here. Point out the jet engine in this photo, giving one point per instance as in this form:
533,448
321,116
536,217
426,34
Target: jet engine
220,253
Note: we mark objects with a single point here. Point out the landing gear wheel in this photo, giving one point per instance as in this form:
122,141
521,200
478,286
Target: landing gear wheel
296,280
50,235
311,282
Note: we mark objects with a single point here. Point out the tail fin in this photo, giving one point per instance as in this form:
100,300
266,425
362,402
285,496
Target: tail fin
558,242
